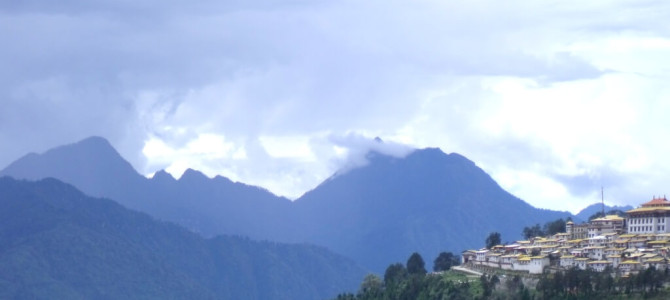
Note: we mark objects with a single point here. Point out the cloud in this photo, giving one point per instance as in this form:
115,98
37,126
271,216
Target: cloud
354,150
555,95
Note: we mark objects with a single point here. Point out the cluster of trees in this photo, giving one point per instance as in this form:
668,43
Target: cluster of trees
445,261
588,284
493,239
549,228
410,281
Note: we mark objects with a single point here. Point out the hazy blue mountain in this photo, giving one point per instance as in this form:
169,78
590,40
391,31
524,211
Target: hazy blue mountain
377,214
427,202
208,206
57,243
588,211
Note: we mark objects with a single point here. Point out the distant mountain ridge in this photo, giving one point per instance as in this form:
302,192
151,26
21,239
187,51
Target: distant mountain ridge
58,243
97,169
594,208
377,214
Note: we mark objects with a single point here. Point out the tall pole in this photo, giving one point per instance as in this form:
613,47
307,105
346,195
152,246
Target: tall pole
602,199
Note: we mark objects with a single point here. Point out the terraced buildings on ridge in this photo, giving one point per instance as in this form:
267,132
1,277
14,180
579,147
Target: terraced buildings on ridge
610,243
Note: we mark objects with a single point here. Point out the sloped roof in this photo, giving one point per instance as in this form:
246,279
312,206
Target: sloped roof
609,218
657,202
661,204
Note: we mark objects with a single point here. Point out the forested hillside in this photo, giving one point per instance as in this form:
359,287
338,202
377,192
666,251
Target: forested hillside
57,243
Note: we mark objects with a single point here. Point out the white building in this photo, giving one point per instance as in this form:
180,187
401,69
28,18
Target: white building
651,217
599,265
604,225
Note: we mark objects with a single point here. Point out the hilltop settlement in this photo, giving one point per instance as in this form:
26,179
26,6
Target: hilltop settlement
621,245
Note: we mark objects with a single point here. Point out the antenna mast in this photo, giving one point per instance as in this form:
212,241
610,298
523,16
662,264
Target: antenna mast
602,199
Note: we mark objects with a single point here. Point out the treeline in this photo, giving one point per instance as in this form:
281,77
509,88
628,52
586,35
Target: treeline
549,228
412,281
588,284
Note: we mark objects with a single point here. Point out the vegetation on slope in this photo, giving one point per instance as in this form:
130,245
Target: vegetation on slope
56,243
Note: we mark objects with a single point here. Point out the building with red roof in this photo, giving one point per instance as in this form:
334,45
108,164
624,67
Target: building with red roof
650,217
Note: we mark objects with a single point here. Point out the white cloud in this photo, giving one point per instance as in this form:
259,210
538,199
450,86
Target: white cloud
553,98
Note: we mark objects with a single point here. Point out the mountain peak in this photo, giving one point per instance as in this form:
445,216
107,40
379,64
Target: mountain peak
193,175
162,175
79,164
436,154
95,140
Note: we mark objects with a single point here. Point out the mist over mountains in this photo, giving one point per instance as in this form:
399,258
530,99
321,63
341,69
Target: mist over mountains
376,214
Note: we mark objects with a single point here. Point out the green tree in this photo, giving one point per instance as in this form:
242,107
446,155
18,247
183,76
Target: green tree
533,231
492,240
554,227
372,287
415,264
394,274
445,261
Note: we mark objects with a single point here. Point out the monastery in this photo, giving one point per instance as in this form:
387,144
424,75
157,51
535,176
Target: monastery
613,243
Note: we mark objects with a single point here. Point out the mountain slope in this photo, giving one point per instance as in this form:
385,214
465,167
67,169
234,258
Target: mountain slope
194,201
58,243
428,202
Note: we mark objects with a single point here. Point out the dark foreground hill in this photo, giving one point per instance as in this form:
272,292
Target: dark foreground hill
377,214
57,243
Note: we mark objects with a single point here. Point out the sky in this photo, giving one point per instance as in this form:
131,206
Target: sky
553,99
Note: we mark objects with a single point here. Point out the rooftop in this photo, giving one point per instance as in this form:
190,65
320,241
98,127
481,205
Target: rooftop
610,218
655,202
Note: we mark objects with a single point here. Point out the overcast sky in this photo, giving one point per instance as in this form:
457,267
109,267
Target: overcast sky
554,99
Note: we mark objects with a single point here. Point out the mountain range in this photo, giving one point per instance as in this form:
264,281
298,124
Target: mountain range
377,214
594,208
57,243
203,205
